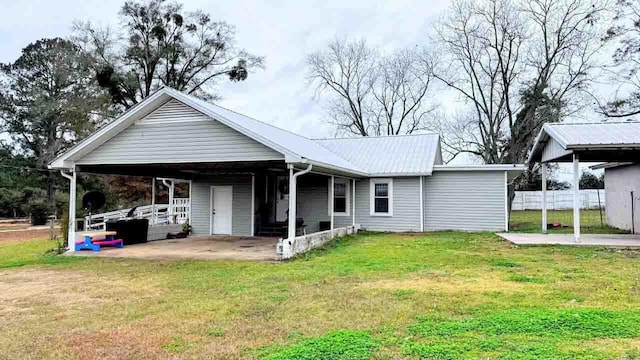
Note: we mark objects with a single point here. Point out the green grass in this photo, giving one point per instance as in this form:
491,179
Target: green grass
445,295
590,221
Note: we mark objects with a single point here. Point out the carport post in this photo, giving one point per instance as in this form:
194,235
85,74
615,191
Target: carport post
153,200
332,198
291,233
72,212
71,240
543,173
576,197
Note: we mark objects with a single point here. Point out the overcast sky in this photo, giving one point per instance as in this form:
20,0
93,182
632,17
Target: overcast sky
282,31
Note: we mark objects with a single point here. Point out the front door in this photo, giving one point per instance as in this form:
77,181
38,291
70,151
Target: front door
220,210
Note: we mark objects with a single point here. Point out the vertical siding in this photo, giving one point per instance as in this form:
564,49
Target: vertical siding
464,200
619,183
406,207
313,200
241,207
553,150
178,134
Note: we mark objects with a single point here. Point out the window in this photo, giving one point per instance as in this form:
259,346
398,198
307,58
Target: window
341,197
381,199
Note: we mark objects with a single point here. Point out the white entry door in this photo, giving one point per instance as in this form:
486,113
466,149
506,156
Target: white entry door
220,210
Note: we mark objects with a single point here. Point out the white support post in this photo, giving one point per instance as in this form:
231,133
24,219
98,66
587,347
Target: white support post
543,172
576,197
189,221
287,250
292,205
153,200
71,241
421,207
506,202
353,202
171,195
253,203
331,198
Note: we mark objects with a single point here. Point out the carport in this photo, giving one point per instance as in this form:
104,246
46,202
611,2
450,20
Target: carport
587,142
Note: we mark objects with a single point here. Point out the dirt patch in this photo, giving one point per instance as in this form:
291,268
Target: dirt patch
21,291
24,234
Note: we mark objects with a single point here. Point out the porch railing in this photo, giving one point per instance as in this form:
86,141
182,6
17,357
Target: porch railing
178,213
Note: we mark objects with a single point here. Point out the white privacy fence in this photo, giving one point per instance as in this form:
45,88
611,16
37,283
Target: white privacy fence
163,214
558,200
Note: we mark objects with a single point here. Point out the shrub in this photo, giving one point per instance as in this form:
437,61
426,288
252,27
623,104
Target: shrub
38,210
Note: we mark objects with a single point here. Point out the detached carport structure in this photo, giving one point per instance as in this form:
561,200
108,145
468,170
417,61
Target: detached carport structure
587,142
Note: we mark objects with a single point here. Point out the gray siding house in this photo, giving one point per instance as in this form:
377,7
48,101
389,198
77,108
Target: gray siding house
247,177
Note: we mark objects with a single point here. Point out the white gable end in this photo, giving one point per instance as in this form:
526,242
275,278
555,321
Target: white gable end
177,133
173,112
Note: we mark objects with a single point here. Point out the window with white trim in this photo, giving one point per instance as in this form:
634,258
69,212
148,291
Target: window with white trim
341,203
381,197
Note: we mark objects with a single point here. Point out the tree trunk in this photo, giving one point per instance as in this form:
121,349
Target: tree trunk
51,192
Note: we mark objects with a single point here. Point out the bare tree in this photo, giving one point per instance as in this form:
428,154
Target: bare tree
625,34
482,45
560,66
400,94
371,94
519,64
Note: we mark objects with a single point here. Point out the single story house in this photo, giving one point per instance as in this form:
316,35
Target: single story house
247,177
617,143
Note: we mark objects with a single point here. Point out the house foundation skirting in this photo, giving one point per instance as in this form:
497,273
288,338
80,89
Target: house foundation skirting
302,244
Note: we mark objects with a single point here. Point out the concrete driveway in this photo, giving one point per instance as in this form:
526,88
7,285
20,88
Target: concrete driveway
196,248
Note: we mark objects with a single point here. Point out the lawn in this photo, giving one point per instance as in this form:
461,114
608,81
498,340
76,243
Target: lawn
590,221
445,295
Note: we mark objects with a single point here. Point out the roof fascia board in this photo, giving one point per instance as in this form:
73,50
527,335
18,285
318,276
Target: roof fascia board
488,167
556,136
603,146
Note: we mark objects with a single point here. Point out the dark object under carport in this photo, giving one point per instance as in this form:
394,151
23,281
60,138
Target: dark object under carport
133,231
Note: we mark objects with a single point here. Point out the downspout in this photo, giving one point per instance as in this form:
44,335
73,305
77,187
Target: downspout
170,189
293,178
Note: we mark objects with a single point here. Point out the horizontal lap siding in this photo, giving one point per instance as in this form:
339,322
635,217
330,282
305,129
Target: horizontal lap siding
241,204
406,207
178,135
465,200
313,201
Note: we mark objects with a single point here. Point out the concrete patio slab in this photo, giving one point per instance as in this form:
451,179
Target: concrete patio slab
603,240
195,248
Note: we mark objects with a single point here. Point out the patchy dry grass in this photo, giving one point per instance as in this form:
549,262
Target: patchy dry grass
380,296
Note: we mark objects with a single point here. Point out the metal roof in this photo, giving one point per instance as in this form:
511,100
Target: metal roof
277,138
389,155
403,155
603,135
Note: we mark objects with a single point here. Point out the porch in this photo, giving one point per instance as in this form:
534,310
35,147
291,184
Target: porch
219,247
